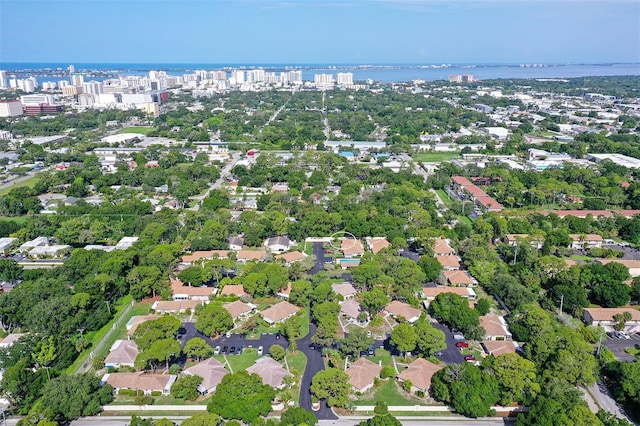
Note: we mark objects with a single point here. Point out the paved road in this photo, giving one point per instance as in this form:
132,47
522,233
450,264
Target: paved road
600,393
237,340
318,252
452,354
226,171
29,175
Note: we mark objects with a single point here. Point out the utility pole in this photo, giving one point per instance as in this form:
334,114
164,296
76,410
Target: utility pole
108,307
561,302
601,332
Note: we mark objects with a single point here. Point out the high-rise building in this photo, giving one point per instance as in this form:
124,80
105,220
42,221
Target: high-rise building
92,87
10,108
295,77
345,78
71,69
323,78
238,76
77,80
3,79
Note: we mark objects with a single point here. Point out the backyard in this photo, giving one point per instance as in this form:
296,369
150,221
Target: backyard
390,393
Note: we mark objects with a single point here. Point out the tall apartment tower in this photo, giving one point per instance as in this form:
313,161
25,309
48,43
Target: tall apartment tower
344,78
77,80
3,79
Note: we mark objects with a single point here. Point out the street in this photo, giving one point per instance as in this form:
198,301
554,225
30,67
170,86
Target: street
601,395
224,173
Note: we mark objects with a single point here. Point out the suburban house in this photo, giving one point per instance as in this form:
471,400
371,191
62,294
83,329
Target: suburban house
53,251
430,293
236,243
495,327
586,241
350,308
233,290
197,256
270,371
6,243
10,339
499,347
136,320
140,381
458,279
291,257
419,373
632,265
376,244
449,263
175,306
279,312
123,353
285,292
245,256
515,239
399,309
30,245
278,244
346,290
239,310
604,316
211,370
362,374
442,248
351,247
183,292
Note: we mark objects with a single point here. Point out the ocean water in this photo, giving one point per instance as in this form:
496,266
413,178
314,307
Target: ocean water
382,73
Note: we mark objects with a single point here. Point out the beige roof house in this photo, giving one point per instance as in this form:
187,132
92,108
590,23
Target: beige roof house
495,327
351,248
211,370
233,290
450,263
376,244
459,278
604,316
419,373
285,292
362,373
135,321
345,290
247,255
400,309
239,309
204,254
588,241
10,339
499,347
122,353
350,308
174,306
632,265
270,371
442,248
279,312
185,292
140,381
430,293
291,257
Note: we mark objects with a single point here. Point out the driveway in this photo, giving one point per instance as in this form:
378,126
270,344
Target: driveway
318,252
452,354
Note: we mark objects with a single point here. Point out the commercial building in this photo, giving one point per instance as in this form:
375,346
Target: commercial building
10,108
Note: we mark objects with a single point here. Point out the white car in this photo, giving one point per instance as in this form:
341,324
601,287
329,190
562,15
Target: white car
260,350
622,335
216,351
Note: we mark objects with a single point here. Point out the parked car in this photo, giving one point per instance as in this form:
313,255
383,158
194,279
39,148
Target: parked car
622,335
462,345
470,358
260,350
232,350
327,251
225,349
239,350
216,351
439,353
371,352
228,334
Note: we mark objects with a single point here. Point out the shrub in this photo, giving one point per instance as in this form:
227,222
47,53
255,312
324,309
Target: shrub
387,371
174,369
127,392
144,400
406,385
156,393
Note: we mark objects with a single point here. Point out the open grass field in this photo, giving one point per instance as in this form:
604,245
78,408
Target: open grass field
30,183
390,394
141,130
435,157
240,362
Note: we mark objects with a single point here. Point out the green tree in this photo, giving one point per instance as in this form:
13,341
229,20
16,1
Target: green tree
241,396
203,419
374,300
186,387
331,383
431,267
483,306
197,348
466,388
277,352
46,355
69,397
381,420
454,311
404,337
213,320
516,378
356,341
192,276
429,339
295,416
162,350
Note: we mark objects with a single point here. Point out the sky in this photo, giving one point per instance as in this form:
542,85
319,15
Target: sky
320,31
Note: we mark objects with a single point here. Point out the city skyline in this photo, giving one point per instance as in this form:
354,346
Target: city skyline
340,32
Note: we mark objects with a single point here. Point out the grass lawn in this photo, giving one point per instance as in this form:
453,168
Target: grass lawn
390,394
435,157
382,355
304,322
119,332
240,362
141,130
297,362
444,197
20,220
465,219
31,182
157,400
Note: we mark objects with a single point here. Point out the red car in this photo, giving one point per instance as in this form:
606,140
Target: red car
470,358
462,345
328,251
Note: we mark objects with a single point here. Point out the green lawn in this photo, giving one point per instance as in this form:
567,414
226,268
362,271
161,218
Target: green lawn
157,400
141,130
435,157
390,394
240,362
382,355
119,332
297,362
20,220
444,197
465,219
31,182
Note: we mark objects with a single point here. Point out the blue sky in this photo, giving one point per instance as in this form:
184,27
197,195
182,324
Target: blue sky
318,31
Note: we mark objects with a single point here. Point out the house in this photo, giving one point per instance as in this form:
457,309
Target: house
419,373
236,243
291,257
535,241
399,309
350,308
123,353
430,293
233,290
495,327
211,370
604,316
499,347
351,247
270,371
632,265
278,244
376,244
585,241
204,254
280,187
141,381
55,251
6,243
362,374
30,245
245,256
175,306
136,320
442,248
10,339
285,292
346,290
125,243
183,292
279,312
239,310
458,278
449,263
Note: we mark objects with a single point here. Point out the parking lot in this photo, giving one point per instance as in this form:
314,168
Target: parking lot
617,345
